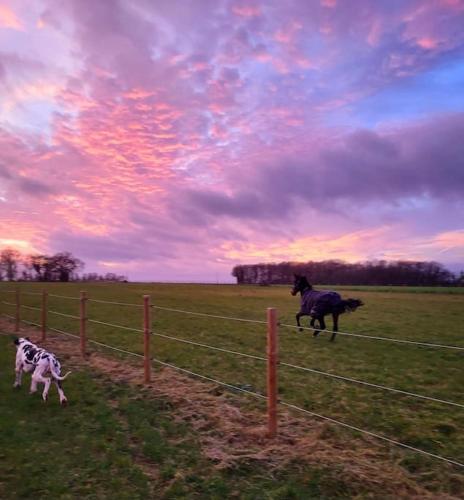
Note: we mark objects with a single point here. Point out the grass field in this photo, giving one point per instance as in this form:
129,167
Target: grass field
430,315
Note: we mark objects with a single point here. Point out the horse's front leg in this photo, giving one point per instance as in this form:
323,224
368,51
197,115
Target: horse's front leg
298,316
335,326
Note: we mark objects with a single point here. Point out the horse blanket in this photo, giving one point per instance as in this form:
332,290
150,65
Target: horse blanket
318,303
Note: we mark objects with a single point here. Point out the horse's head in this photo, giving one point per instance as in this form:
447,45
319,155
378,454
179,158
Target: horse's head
301,284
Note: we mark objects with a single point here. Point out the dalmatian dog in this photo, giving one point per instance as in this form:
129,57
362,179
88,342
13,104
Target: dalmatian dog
31,358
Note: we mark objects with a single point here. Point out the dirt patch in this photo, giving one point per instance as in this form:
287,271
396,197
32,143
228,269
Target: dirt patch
232,435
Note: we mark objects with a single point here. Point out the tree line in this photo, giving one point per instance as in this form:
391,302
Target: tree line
337,272
62,266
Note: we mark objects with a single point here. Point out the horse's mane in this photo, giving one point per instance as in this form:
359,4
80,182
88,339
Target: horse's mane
303,281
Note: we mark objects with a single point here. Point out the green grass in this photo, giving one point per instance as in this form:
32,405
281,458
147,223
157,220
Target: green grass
413,314
55,452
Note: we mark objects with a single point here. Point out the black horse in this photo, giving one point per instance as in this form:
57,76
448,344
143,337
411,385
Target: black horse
319,303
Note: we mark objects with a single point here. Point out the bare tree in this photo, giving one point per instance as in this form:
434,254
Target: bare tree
65,264
9,260
42,265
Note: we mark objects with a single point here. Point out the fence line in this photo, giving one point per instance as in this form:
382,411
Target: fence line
57,330
31,293
30,323
369,384
114,325
372,434
209,346
31,307
115,303
114,348
72,316
63,296
209,315
225,384
8,303
372,337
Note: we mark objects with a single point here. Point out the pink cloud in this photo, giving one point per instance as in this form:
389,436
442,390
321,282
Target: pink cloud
427,43
9,19
329,3
210,134
246,10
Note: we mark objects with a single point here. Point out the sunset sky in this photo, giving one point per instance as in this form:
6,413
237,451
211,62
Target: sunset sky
172,140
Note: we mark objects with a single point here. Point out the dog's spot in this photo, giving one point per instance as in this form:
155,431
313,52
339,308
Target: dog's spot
29,353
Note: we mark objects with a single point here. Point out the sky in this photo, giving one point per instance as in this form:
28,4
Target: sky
173,140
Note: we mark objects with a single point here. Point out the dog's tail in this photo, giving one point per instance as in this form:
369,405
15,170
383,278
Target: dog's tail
351,305
55,375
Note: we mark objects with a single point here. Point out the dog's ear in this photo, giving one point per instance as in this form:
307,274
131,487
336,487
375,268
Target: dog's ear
16,340
27,338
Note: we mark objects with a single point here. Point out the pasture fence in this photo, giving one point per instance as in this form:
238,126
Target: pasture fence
271,359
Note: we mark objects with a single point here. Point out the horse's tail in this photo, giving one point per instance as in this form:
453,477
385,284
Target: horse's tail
351,305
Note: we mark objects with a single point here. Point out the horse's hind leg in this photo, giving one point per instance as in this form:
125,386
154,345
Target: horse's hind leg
311,324
335,326
321,323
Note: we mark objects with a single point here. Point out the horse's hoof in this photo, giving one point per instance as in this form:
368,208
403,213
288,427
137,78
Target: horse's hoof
300,329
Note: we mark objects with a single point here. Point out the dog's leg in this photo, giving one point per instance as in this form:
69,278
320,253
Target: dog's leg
46,381
38,378
19,374
63,399
34,381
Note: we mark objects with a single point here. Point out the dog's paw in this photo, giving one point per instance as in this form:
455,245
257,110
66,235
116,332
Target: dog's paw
16,386
64,402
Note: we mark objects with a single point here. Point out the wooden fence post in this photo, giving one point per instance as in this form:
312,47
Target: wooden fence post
44,315
18,313
272,359
83,321
146,338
